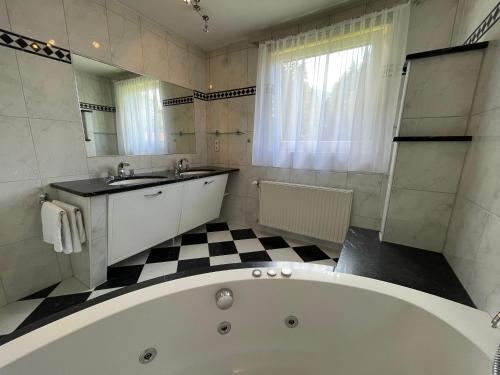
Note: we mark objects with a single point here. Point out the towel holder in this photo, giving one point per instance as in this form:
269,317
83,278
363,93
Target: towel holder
44,197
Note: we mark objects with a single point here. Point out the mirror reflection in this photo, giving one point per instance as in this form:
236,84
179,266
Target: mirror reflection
124,113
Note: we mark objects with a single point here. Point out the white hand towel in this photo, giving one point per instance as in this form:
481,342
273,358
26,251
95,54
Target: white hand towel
55,228
76,224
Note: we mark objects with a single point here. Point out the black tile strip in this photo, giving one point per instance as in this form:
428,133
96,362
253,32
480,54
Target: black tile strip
448,138
177,101
490,20
34,46
191,272
234,93
97,107
447,51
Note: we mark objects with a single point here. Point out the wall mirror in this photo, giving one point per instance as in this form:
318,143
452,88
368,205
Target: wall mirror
125,113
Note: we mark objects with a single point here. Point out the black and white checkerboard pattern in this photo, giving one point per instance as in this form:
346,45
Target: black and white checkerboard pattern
209,245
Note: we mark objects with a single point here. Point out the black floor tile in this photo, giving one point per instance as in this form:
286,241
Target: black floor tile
121,276
256,256
273,243
189,264
52,305
242,234
194,238
310,253
41,293
163,254
216,227
364,255
222,248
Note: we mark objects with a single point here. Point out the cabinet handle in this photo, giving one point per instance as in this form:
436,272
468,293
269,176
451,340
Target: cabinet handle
152,195
209,182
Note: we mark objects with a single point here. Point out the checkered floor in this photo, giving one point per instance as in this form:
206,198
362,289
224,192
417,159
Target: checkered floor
209,245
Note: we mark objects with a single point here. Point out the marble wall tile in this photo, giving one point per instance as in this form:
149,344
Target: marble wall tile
125,40
17,153
437,126
367,188
429,166
177,65
431,25
470,14
465,230
481,171
4,18
53,98
488,88
11,95
237,149
154,49
64,262
197,72
253,57
3,297
331,179
236,114
485,124
20,211
365,222
68,158
221,156
39,19
302,176
277,174
88,29
418,218
124,11
218,78
217,115
237,69
451,78
348,13
26,267
313,24
233,210
251,211
99,218
250,112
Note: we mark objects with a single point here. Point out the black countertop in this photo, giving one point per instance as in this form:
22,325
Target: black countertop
98,186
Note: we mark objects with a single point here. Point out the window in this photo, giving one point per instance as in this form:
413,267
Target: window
327,99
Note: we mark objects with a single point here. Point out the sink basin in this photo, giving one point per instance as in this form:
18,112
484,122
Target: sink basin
198,172
137,181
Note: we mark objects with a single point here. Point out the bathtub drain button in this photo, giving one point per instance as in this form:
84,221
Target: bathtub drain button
147,355
256,273
223,328
286,272
271,272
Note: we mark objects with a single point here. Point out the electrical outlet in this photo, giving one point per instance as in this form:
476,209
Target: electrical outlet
217,145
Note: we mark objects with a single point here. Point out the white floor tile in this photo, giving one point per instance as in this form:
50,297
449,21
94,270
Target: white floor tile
13,314
220,236
152,270
249,245
69,286
237,226
135,260
284,255
101,292
193,251
225,259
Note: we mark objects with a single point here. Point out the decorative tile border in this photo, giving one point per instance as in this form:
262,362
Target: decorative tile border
484,26
177,101
234,93
97,107
200,95
33,46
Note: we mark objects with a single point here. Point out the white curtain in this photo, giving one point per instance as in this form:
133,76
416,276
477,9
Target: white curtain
139,117
327,99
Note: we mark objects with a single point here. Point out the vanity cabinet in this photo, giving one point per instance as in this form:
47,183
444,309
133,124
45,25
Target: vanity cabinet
202,201
140,219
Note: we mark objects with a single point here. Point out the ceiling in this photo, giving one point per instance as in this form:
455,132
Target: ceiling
230,20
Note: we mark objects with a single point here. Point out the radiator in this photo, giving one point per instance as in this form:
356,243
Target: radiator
313,211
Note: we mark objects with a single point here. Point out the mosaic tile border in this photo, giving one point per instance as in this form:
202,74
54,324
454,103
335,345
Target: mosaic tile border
178,101
97,107
34,46
234,93
490,20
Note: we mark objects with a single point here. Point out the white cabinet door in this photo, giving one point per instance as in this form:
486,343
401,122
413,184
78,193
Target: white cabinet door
142,218
202,201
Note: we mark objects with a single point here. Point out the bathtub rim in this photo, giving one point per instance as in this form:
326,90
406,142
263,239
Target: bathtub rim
472,324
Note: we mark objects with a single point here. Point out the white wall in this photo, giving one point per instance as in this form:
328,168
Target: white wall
41,134
472,245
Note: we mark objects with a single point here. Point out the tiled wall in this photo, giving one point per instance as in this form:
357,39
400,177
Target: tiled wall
41,134
431,26
425,175
472,245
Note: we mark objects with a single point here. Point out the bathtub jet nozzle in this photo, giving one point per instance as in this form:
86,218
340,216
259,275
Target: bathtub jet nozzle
224,298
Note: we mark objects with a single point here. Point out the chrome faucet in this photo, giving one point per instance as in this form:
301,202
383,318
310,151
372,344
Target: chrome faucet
121,169
181,165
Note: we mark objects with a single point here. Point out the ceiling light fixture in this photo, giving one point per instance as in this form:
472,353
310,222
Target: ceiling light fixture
197,9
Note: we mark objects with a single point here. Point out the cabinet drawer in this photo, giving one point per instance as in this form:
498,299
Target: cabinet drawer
202,201
142,218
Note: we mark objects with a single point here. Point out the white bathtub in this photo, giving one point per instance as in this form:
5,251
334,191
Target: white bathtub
347,325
